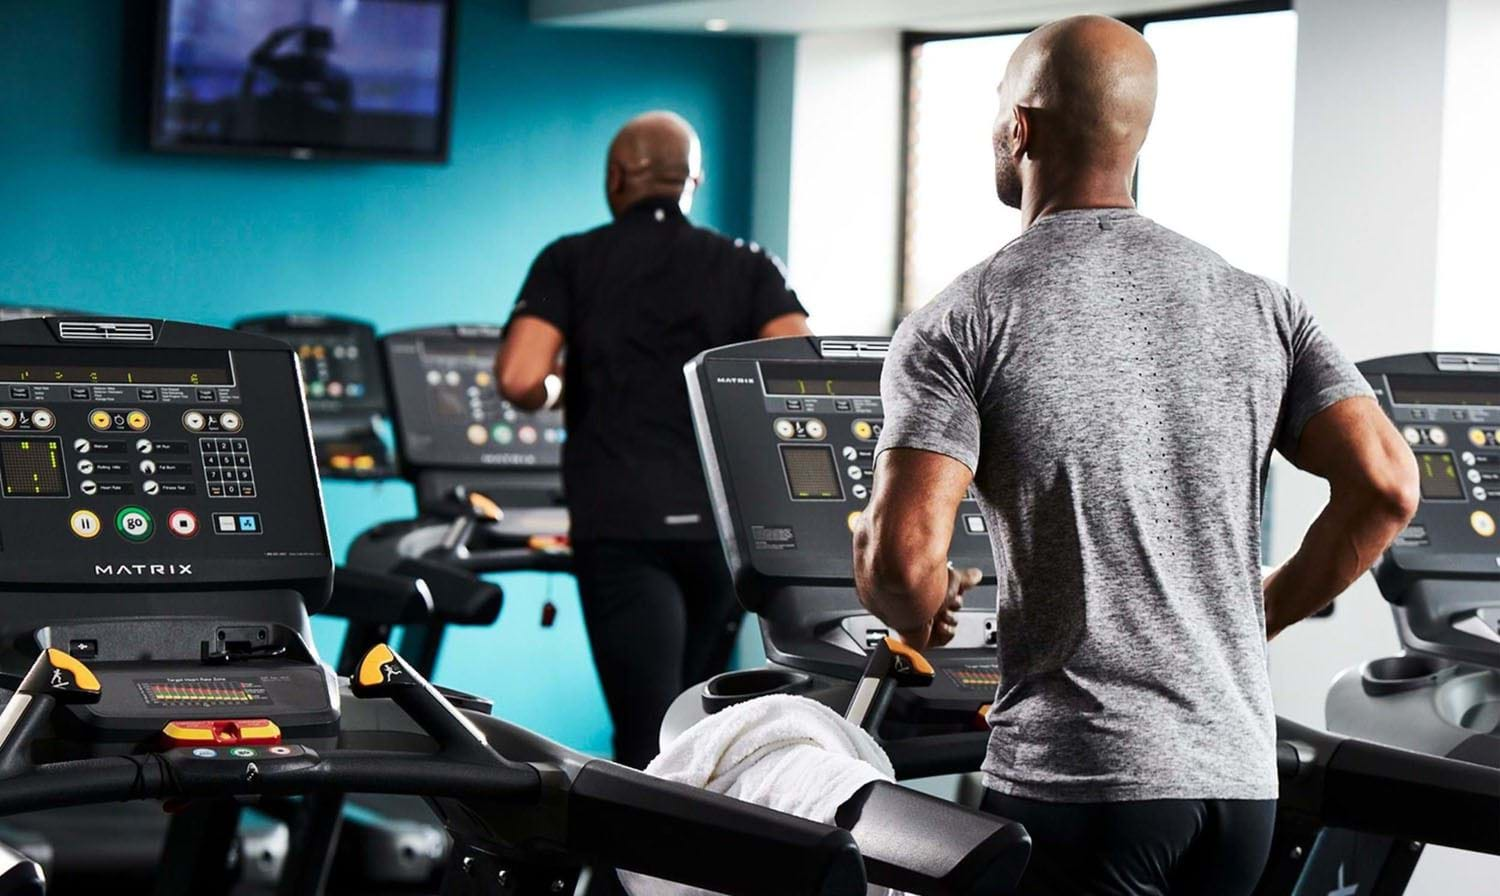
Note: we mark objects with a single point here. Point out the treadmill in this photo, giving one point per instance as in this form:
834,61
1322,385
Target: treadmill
786,429
156,649
343,387
487,480
1441,695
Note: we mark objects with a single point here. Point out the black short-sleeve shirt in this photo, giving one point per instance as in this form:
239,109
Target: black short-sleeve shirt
636,300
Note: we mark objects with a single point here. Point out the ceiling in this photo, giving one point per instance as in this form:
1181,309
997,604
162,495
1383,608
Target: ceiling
801,16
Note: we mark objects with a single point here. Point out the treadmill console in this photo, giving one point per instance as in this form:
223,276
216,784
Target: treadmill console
1443,572
344,387
787,429
142,454
454,430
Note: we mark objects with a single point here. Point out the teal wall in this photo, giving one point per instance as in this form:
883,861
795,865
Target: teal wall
90,220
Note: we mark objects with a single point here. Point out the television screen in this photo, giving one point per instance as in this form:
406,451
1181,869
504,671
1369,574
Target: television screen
304,78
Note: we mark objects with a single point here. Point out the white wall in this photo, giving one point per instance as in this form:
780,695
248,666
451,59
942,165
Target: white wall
843,220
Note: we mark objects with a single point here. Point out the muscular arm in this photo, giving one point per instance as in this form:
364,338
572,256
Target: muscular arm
1372,479
793,324
901,543
526,357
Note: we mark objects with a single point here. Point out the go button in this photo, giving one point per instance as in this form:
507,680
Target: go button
84,523
134,523
242,752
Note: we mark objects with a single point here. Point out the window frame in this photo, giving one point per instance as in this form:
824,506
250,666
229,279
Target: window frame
910,40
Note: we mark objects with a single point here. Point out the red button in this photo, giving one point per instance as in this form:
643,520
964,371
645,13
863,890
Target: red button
182,523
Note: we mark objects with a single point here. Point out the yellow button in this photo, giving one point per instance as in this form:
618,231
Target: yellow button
853,519
862,430
137,420
1476,437
1483,523
84,523
99,420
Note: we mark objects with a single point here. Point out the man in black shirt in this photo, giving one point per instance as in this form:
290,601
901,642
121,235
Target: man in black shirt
632,302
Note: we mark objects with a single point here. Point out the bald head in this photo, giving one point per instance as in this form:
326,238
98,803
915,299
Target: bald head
656,154
1078,95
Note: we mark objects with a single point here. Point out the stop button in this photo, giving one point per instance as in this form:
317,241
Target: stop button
182,523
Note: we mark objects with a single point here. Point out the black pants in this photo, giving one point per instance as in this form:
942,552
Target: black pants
661,616
1145,848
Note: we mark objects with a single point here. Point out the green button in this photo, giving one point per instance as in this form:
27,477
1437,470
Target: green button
242,752
134,523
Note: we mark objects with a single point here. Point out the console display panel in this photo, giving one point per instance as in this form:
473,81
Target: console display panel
825,379
340,370
45,364
32,468
1449,389
448,410
1439,476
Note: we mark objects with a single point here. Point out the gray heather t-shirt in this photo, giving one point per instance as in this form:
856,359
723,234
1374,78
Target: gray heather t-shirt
1117,390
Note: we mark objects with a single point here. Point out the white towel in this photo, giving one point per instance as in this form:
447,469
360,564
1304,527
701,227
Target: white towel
788,753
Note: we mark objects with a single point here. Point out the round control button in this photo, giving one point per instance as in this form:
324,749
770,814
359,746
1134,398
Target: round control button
527,435
864,432
850,452
148,467
1483,523
1412,435
816,430
84,523
85,466
1476,437
477,434
230,421
182,523
82,446
855,472
137,421
205,753
151,487
89,487
1438,435
785,429
1468,458
1475,477
144,446
242,752
853,519
42,419
7,419
280,751
134,523
1480,494
503,434
860,492
193,421
100,420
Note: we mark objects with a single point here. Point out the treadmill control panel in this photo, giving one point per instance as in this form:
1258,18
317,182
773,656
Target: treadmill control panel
344,386
788,430
141,452
448,412
1447,408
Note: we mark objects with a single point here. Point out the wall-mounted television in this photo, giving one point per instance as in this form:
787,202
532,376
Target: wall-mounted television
304,78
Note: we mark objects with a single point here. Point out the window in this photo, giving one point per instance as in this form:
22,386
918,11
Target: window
1216,166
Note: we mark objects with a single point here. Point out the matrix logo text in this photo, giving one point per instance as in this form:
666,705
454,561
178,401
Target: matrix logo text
143,569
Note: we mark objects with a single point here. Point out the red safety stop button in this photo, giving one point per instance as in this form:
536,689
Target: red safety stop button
182,523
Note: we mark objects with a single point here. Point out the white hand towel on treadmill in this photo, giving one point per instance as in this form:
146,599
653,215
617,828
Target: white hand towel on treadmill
787,753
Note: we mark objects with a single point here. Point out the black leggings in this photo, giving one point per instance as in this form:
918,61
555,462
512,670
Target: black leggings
661,616
1144,848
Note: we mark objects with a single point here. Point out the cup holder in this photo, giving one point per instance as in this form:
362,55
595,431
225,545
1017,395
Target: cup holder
1395,674
728,688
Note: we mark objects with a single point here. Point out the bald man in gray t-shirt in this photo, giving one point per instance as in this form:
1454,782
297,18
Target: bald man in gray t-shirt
1113,392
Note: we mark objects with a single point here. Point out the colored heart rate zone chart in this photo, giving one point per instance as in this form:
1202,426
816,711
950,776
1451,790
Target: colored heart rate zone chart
32,468
202,692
